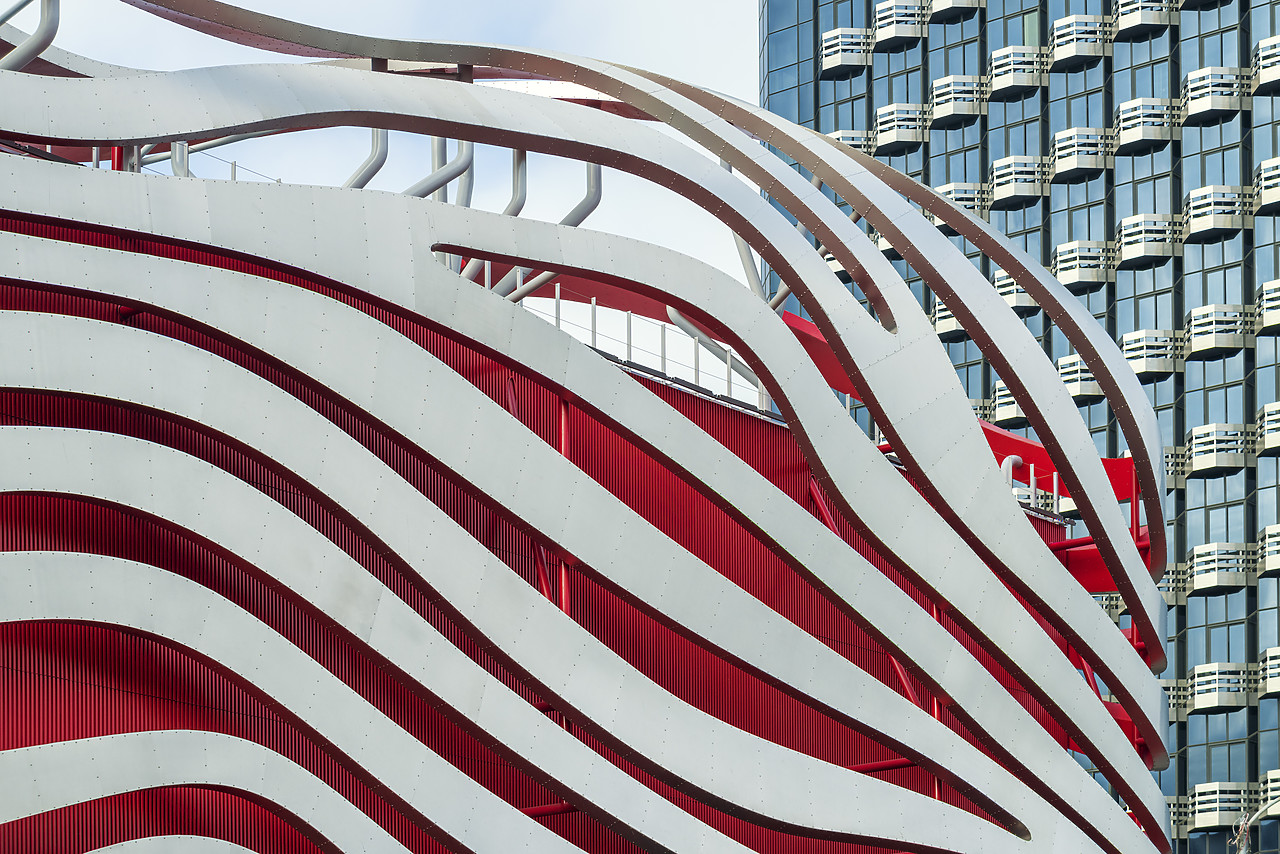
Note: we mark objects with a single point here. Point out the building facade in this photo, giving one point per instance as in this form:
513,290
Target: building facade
323,530
1132,148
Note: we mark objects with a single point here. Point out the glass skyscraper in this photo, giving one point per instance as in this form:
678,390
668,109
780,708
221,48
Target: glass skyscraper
1133,146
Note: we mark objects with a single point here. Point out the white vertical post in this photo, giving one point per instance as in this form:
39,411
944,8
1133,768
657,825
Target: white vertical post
488,275
848,404
1032,474
662,347
628,336
519,278
233,170
697,348
728,373
96,155
593,322
557,305
1057,497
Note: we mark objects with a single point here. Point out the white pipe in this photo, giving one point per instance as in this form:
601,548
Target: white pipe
437,180
148,159
181,159
18,58
744,255
575,217
716,350
1007,465
377,158
519,193
13,10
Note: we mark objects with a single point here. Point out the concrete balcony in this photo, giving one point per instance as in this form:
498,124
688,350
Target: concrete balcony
1215,449
845,52
957,100
1266,187
1174,462
1017,181
1135,19
1083,266
1218,330
1078,379
945,324
1014,296
1016,70
1215,93
1145,124
981,407
1152,353
1221,566
1080,153
941,11
1148,240
901,128
971,197
863,140
1220,805
900,22
1266,440
884,245
1005,411
1268,308
836,267
1266,67
1210,213
1269,551
1173,589
1079,40
1221,686
1269,686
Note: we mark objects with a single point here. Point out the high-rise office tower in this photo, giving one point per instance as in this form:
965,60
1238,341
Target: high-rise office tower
1133,147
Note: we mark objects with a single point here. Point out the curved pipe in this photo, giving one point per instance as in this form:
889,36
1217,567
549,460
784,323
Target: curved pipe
13,10
375,161
739,365
519,193
744,254
1007,465
18,58
442,176
148,159
589,202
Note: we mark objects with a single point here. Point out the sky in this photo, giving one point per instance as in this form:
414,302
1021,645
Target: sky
708,42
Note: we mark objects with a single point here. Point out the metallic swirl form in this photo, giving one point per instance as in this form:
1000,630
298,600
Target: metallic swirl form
311,335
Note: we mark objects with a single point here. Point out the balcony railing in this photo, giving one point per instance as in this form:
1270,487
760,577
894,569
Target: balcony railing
958,100
1079,40
1173,587
1005,410
1078,379
1018,180
1083,266
1269,550
1146,123
1266,187
1209,213
862,140
845,52
1147,240
1218,566
1214,449
1221,686
1080,152
899,22
1013,295
1218,330
945,324
1174,462
901,127
972,197
1152,353
1017,69
1269,685
1213,93
1266,66
1132,19
1216,805
1266,440
1269,308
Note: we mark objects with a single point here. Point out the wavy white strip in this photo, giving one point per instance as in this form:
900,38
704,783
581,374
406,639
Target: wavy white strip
52,776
